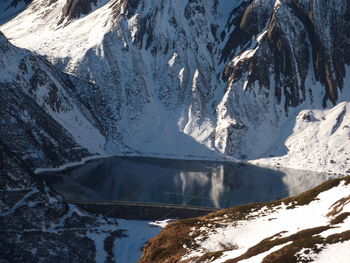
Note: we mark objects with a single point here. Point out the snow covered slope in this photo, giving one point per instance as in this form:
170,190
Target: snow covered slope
320,142
202,79
42,120
311,227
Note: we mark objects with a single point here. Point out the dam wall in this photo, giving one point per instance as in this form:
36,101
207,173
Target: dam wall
142,211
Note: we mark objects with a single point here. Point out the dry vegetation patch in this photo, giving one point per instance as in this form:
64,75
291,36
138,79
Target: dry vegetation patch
171,244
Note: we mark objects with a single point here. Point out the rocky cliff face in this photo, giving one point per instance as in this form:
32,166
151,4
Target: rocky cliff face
313,43
291,54
196,78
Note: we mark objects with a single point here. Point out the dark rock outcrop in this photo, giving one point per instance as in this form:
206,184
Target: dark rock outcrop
288,49
74,9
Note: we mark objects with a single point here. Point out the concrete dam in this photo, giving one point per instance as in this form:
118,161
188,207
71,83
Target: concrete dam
142,211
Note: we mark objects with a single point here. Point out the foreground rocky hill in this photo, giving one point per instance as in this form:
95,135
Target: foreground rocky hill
311,227
215,78
37,225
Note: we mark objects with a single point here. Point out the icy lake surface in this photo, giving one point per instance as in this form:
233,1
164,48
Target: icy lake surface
183,182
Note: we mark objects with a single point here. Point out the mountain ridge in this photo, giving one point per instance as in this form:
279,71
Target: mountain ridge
218,74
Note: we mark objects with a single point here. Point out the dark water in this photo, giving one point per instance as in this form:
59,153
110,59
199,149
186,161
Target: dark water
195,183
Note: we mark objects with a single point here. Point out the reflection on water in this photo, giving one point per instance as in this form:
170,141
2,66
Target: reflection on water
196,183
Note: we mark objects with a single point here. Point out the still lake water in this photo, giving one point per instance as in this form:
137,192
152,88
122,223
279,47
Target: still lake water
184,182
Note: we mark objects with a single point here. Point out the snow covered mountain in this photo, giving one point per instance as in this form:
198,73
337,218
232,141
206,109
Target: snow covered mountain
259,80
199,78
